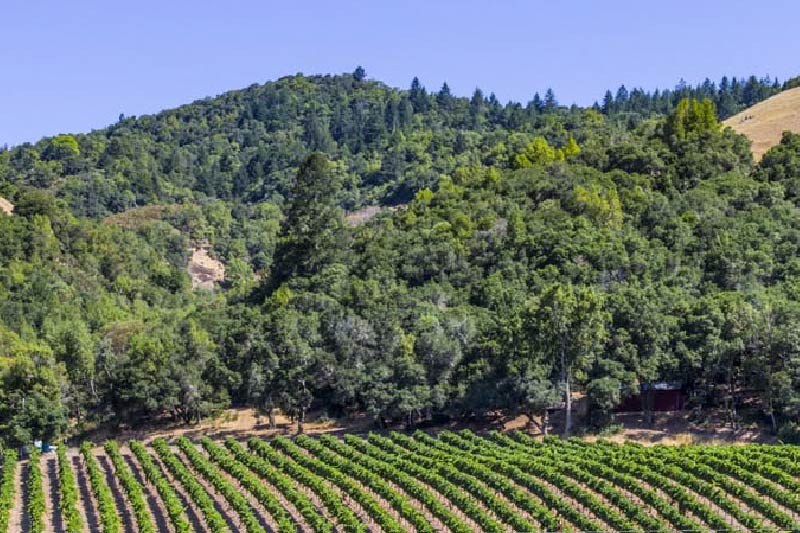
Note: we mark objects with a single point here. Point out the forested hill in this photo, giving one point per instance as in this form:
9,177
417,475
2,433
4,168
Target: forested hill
246,145
536,249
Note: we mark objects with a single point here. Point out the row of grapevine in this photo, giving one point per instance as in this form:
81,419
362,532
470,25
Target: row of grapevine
752,478
776,470
68,493
400,502
570,479
442,451
156,478
633,485
231,494
683,498
716,474
249,481
483,483
133,490
787,451
7,488
343,515
708,483
347,485
463,491
398,482
614,487
412,487
196,491
716,487
283,483
109,519
36,505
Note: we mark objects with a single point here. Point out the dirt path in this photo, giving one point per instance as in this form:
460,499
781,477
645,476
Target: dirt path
52,498
154,503
124,510
196,518
19,519
87,507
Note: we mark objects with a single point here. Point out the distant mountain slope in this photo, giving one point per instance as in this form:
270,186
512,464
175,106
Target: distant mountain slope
764,123
245,146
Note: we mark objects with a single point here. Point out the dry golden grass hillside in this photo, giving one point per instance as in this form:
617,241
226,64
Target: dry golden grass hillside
765,122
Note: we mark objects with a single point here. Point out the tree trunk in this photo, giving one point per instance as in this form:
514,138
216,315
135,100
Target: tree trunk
93,389
647,403
301,421
732,406
545,421
568,414
772,419
567,389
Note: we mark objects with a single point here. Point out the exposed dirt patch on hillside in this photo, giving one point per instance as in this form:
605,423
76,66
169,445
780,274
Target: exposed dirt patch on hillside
6,207
357,218
765,122
204,270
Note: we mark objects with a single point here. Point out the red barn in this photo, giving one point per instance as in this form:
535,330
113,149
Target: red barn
662,397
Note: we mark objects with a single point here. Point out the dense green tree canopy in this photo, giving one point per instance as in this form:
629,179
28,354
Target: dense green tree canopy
511,255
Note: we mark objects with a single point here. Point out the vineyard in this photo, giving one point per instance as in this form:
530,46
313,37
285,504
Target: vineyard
451,482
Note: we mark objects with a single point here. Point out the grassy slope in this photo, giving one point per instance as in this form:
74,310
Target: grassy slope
764,123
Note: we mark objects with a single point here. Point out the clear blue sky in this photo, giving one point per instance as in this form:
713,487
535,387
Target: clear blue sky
73,66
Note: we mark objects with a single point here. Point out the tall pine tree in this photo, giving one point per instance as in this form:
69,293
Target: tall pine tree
313,225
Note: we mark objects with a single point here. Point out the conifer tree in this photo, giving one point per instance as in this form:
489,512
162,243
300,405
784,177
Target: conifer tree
313,224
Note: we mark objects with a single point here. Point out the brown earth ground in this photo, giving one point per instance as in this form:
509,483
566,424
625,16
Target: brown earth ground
674,428
6,206
765,122
357,218
204,270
